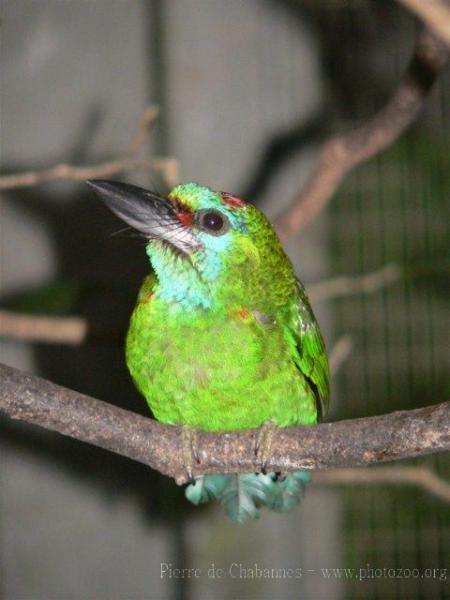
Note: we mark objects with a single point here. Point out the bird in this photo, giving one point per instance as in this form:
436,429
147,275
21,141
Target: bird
222,337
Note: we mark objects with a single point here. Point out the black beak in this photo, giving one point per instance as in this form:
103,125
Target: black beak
146,212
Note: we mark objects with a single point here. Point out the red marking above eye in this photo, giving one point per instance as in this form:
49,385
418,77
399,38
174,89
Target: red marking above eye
185,218
231,200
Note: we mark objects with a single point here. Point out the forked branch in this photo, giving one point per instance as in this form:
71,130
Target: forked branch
129,161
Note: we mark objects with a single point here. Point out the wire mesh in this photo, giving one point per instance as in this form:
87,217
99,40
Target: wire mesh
395,210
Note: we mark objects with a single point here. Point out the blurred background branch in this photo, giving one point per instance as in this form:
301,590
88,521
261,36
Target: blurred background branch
74,330
435,13
420,476
342,286
340,154
168,167
340,352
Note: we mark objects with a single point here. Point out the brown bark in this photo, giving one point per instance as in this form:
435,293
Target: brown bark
356,442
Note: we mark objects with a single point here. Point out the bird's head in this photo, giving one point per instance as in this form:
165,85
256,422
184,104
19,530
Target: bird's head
208,248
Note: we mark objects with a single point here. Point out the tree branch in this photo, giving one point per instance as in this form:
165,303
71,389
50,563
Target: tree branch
419,476
128,162
42,328
340,154
74,330
340,352
356,442
367,283
51,329
434,13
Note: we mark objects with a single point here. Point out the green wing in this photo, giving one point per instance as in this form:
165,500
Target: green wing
311,355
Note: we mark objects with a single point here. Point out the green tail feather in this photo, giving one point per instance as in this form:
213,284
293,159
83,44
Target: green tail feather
206,488
243,494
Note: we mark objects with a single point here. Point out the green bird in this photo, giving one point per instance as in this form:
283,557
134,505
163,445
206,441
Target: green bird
223,337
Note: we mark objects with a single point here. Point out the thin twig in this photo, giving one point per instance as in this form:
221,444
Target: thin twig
420,476
146,120
358,442
434,13
168,167
367,283
340,154
340,352
63,171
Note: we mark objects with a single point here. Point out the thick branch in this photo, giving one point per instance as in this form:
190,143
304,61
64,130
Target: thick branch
342,153
346,443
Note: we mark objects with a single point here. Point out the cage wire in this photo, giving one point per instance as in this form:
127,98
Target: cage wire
395,210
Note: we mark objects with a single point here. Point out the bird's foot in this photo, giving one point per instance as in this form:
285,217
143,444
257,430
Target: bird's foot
263,445
189,442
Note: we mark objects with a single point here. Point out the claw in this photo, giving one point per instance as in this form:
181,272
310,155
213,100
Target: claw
190,451
263,444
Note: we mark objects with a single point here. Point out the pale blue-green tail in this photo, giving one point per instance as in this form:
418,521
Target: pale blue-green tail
243,494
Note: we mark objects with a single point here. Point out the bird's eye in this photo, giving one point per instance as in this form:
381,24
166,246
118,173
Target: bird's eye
213,221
